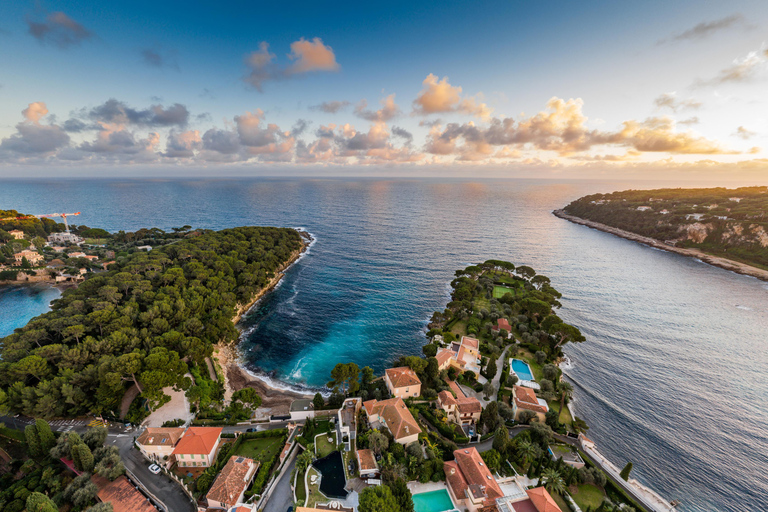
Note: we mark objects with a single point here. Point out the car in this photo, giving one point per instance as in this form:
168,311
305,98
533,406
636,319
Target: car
250,430
154,469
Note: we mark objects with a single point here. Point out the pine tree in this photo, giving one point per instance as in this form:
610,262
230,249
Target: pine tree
33,441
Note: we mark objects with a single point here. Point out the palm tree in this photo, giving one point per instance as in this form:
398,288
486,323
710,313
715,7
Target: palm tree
566,390
553,482
527,451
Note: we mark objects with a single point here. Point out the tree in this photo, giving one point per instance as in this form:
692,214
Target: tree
39,502
378,441
110,466
492,459
552,418
101,507
525,271
566,392
366,377
432,371
345,377
429,350
402,494
552,480
501,439
94,437
526,451
378,499
491,368
549,371
525,416
305,458
625,472
247,396
565,333
506,412
490,416
318,401
33,441
82,457
25,263
540,356
489,389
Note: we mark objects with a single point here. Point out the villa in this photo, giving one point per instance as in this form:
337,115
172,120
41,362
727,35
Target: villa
469,480
526,399
463,355
394,415
33,257
17,234
230,485
157,444
198,446
367,465
402,382
533,500
502,323
461,410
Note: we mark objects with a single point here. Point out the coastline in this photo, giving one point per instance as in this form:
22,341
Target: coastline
275,400
717,261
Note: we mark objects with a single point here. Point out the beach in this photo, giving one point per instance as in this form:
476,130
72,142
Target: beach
733,266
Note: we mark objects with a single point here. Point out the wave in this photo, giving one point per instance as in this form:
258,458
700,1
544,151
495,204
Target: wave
273,382
745,308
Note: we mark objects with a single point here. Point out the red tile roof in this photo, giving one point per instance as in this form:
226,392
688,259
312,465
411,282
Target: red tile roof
502,323
469,405
542,500
455,479
366,460
476,474
231,482
402,377
466,341
154,436
122,494
443,356
525,398
446,398
398,418
198,440
456,389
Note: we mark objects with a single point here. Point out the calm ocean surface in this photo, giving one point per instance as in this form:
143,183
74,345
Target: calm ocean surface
673,373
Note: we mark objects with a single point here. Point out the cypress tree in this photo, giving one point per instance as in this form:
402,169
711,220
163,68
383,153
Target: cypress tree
625,472
33,440
47,439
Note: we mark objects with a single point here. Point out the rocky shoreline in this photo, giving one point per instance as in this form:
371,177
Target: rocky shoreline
733,266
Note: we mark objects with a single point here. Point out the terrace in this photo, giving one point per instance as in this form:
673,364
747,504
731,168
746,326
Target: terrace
569,456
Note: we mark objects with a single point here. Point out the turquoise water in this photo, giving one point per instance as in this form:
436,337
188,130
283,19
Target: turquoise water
522,369
434,501
18,304
386,252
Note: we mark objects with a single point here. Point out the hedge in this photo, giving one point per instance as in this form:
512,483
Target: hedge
13,434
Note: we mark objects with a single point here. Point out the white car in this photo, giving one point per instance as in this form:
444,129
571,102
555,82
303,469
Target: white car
154,469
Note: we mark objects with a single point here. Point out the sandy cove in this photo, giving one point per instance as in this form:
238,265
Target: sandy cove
274,400
734,266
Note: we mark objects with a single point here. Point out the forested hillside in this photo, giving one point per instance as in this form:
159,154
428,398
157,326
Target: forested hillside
731,223
142,322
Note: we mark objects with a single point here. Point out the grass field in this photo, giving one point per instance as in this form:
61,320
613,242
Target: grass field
315,496
322,446
565,414
96,241
499,291
301,491
587,495
261,449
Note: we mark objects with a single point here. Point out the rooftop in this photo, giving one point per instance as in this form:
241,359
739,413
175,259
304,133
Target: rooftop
446,398
542,500
154,436
480,483
468,342
402,377
525,398
122,494
396,415
231,482
366,460
198,440
469,405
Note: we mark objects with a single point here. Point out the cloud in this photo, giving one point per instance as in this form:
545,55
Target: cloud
388,110
307,56
690,120
403,134
743,133
744,69
154,58
669,100
32,137
330,107
439,96
705,29
58,29
183,144
117,112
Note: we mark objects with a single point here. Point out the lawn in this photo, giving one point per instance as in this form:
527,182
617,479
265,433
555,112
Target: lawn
315,496
499,291
459,328
301,493
565,414
587,495
262,449
482,303
561,502
322,446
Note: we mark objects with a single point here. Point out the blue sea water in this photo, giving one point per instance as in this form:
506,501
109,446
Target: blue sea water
20,303
672,375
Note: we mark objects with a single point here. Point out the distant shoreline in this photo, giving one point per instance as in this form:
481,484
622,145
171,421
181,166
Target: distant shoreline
717,261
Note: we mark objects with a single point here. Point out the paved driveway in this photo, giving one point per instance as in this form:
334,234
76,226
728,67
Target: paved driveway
282,496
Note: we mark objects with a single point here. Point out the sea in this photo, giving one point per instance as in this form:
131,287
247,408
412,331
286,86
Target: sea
673,375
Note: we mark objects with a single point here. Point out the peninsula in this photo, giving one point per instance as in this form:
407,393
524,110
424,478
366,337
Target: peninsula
724,227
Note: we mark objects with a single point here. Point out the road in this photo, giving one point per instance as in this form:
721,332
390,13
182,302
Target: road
282,496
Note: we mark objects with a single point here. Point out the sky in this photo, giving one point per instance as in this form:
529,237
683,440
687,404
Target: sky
512,88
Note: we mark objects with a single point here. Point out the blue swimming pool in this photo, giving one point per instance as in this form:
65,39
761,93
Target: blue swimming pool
433,501
522,370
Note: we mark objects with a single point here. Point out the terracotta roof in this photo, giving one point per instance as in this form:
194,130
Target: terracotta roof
231,482
241,508
398,418
525,505
477,475
542,500
154,436
402,377
366,460
446,398
455,479
122,494
198,440
525,398
456,389
466,341
443,356
502,323
469,405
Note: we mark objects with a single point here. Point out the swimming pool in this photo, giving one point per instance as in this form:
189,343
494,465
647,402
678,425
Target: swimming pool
433,501
332,481
522,370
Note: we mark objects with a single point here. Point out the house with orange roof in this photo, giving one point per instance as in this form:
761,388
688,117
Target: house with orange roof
122,494
17,234
366,464
394,415
463,355
230,485
470,482
502,323
157,444
197,447
525,399
33,257
532,500
461,410
402,382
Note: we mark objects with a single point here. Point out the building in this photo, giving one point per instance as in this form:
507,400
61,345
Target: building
302,409
64,238
463,355
56,263
197,447
230,485
77,254
366,464
33,257
461,410
402,382
123,495
17,234
531,500
502,323
469,480
144,248
525,399
157,444
394,415
347,421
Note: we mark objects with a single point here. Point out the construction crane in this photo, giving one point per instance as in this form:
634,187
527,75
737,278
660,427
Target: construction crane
69,237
